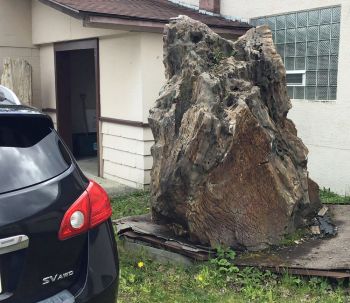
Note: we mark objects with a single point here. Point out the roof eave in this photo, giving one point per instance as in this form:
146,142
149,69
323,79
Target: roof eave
156,26
63,8
132,23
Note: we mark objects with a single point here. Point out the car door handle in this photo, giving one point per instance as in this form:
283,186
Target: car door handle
8,245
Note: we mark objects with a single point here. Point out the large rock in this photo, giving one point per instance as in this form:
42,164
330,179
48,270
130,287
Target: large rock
228,168
17,76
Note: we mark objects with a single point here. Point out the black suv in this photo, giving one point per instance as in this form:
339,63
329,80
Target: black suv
57,242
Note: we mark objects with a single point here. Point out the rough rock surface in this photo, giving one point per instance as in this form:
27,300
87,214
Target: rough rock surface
228,168
17,76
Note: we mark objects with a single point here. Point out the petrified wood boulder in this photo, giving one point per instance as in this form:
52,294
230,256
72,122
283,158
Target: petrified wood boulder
17,76
228,168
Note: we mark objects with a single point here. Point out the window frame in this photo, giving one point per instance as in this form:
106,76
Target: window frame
303,72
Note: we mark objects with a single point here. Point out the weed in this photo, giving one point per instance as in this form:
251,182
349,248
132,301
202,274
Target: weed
216,281
329,197
294,238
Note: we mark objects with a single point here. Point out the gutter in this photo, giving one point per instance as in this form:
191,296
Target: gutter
157,26
62,8
131,23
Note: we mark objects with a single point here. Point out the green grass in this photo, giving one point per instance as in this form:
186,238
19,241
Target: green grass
329,197
133,204
217,281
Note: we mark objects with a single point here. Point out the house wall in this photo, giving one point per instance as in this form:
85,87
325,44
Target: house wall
323,126
131,75
49,25
152,70
190,3
48,85
16,39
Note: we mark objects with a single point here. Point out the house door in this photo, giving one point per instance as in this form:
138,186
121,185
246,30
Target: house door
77,98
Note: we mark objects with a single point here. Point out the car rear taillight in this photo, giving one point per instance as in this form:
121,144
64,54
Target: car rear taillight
91,209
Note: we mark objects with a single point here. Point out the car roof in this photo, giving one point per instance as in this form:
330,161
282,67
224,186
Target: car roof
19,110
11,94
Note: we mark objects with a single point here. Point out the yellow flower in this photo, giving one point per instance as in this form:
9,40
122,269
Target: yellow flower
140,264
200,278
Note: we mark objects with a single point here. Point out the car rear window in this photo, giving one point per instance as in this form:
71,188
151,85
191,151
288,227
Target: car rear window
30,152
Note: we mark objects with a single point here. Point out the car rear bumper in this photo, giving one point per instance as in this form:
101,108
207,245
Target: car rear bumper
101,284
108,295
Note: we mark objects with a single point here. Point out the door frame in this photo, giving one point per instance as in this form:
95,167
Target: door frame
81,45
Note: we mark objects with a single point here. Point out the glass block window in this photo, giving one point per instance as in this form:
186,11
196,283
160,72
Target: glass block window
289,63
336,14
300,35
290,50
312,33
302,19
325,32
313,18
271,22
299,92
281,22
290,35
300,49
291,21
308,42
311,63
300,63
280,36
335,31
326,16
323,63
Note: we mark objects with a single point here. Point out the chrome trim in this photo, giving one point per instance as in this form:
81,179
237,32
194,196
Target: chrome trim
8,245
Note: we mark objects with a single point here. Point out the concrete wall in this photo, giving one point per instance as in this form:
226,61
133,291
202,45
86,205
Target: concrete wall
324,127
16,38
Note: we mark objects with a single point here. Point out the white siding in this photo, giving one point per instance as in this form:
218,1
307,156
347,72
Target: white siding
126,154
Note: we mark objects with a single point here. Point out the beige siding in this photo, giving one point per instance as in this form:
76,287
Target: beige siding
152,70
120,76
15,23
16,39
47,70
49,25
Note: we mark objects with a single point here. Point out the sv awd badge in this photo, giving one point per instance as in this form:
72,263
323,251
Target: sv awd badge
57,277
